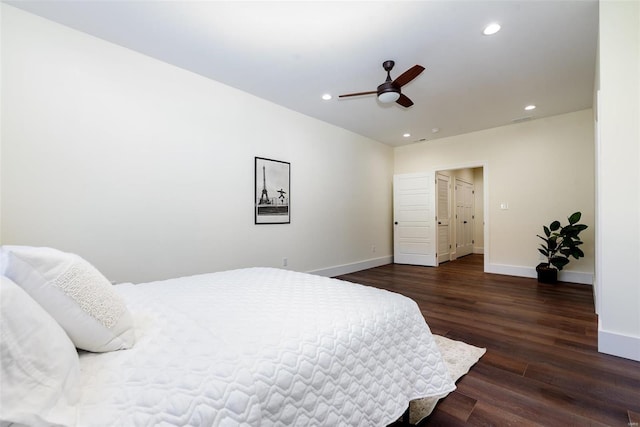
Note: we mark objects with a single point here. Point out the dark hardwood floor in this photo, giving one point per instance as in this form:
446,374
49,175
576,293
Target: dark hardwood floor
541,367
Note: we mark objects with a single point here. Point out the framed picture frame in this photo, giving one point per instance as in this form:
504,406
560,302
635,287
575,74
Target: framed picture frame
272,195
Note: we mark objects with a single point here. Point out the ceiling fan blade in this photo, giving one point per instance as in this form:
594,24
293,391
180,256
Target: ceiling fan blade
408,75
404,101
358,94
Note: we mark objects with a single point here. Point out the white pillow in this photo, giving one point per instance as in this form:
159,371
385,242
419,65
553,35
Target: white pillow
74,293
39,366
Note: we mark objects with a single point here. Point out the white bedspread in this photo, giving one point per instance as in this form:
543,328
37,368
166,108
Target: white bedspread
263,347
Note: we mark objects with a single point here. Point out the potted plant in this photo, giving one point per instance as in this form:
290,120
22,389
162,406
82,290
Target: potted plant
560,243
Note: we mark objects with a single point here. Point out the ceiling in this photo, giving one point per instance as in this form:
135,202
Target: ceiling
293,52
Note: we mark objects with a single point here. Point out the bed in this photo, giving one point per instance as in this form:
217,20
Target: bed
247,347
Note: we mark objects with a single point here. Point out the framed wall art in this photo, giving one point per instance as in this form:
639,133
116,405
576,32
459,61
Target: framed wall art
272,197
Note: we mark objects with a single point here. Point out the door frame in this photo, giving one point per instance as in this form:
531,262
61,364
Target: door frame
461,233
485,200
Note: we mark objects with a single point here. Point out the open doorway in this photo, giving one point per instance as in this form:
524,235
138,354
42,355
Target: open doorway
460,206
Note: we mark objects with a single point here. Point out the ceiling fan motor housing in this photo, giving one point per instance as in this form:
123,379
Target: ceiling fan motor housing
388,92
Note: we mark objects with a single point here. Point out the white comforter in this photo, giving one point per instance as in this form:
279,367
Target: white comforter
263,347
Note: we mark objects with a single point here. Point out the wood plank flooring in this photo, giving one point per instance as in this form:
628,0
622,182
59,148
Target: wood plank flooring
542,366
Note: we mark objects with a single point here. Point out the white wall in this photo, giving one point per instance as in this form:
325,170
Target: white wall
146,169
618,216
543,169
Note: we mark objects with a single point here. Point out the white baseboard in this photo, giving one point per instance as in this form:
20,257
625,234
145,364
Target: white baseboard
617,344
580,277
339,270
509,270
478,249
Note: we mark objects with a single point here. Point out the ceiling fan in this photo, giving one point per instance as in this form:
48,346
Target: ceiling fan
389,91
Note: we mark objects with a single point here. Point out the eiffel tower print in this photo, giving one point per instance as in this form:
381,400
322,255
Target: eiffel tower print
272,176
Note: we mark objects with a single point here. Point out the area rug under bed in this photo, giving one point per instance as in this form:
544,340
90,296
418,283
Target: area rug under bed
459,358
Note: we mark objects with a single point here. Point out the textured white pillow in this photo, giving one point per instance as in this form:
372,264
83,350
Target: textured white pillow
39,365
74,293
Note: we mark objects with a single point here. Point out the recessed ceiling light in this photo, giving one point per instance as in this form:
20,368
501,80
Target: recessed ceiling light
530,107
435,130
491,29
326,96
406,135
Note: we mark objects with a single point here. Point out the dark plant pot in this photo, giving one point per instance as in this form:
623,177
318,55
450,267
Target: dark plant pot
547,274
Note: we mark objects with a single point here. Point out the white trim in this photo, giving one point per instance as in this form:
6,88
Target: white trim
597,292
339,270
618,344
478,249
485,231
581,277
510,270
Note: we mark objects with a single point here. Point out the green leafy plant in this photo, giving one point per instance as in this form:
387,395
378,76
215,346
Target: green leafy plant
560,242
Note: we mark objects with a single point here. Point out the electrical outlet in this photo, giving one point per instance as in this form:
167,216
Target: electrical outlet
373,249
285,262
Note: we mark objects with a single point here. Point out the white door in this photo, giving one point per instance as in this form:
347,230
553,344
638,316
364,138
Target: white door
464,218
414,218
444,216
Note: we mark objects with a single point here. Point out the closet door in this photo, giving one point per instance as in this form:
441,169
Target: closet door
443,207
464,218
414,219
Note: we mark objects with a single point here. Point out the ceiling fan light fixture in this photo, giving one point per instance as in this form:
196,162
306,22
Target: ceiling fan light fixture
388,97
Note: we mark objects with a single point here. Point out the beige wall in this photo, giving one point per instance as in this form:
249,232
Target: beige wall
147,170
618,215
543,170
